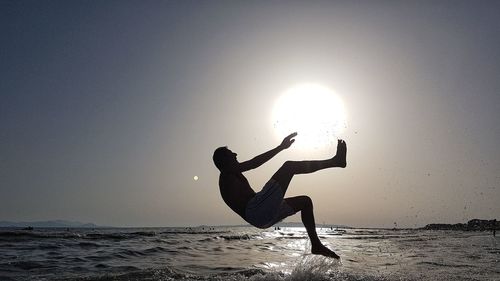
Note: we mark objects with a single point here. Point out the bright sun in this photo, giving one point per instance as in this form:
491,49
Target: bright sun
313,111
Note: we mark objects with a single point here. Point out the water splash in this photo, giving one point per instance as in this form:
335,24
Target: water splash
313,267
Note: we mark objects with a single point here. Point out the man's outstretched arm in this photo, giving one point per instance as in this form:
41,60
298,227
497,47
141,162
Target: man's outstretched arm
264,157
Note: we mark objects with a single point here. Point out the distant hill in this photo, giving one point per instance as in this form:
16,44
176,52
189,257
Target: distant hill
472,225
49,223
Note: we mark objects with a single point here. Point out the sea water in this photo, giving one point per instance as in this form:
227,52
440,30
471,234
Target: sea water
241,253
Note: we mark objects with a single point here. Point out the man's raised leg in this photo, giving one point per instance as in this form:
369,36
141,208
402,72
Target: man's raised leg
290,168
305,206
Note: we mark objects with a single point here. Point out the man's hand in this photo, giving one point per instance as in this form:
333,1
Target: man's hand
287,141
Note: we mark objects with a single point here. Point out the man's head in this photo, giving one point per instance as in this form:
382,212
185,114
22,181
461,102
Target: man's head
224,158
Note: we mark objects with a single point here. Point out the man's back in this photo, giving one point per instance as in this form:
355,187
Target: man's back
235,191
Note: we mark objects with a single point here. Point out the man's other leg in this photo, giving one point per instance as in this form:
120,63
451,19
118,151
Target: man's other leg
305,206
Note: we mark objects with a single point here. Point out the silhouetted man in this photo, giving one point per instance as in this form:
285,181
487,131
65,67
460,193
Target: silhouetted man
268,206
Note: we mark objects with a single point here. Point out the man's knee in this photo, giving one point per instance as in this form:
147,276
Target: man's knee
307,202
285,171
288,165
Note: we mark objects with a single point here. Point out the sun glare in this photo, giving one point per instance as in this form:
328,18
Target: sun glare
311,110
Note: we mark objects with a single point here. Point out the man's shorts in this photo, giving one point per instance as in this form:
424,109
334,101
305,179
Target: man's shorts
267,207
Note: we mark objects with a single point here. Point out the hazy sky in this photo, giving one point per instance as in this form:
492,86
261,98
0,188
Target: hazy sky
108,109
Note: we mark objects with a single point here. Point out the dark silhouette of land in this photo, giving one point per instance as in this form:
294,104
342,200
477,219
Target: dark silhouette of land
268,206
49,223
472,225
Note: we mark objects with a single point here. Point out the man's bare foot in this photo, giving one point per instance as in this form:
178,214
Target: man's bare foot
324,251
340,158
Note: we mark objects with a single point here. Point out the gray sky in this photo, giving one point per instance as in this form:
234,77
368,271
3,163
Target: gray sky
109,108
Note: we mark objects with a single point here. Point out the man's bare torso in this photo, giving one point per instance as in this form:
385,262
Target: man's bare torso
235,191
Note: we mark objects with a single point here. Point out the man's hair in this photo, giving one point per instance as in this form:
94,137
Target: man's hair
219,157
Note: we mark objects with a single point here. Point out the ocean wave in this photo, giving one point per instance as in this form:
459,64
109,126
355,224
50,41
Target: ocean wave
109,236
49,246
373,237
144,233
195,232
28,265
119,235
291,237
114,236
438,264
89,245
127,254
237,237
132,253
158,249
308,269
14,235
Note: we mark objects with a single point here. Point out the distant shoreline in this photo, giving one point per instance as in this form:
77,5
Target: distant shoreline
48,223
471,225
